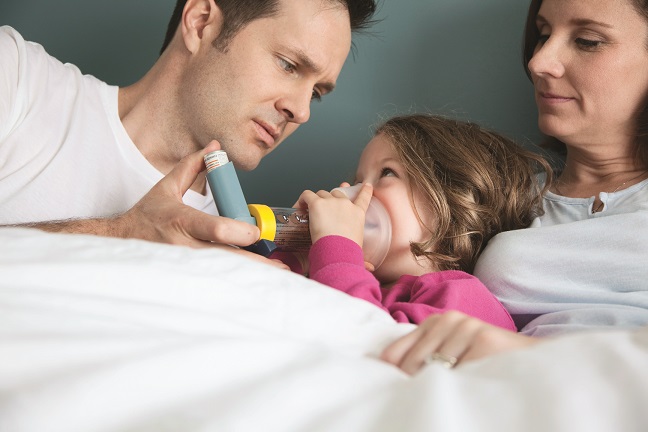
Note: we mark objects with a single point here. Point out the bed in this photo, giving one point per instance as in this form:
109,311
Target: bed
100,334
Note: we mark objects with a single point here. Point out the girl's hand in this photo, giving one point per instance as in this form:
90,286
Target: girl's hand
453,336
335,214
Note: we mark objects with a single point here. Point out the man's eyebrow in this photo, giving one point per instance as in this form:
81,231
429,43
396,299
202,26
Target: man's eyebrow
305,61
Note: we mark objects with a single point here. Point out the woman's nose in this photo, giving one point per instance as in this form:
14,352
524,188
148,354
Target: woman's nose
547,60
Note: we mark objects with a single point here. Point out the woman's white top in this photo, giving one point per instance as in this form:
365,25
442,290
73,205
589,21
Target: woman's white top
573,269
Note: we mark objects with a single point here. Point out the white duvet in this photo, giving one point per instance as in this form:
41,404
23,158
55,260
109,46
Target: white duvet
102,334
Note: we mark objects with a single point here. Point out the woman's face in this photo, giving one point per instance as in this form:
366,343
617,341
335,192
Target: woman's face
590,70
381,166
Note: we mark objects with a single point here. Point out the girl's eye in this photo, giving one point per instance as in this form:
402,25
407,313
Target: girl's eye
588,44
387,172
316,96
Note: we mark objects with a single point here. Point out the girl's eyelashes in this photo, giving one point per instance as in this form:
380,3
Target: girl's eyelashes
384,172
387,172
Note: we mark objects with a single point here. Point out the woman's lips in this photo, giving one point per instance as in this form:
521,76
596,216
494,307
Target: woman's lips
552,99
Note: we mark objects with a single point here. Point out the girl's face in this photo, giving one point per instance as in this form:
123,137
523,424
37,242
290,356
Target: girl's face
379,165
590,70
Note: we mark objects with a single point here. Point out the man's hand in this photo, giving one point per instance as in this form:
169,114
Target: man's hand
452,334
162,216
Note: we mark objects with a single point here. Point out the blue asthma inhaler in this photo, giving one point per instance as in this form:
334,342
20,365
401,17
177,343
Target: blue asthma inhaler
229,198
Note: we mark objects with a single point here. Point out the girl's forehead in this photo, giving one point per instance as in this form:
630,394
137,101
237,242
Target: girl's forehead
376,153
379,146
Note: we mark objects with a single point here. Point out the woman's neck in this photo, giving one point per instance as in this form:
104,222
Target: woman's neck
586,174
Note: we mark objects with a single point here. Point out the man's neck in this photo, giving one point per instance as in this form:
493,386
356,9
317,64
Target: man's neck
146,110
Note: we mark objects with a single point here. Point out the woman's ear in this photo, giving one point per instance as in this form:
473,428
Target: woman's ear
201,23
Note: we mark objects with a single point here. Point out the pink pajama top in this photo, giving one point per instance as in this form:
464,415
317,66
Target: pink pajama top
338,262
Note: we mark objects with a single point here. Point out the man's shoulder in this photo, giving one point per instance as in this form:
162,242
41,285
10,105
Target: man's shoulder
16,51
9,32
10,40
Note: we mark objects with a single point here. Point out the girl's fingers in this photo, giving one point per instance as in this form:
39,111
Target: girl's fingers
304,199
364,196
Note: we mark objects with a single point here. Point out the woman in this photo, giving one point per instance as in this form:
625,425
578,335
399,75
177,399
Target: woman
584,263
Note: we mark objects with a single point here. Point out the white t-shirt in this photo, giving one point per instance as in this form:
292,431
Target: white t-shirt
64,152
574,269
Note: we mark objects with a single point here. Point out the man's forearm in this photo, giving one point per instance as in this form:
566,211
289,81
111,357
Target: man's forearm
107,227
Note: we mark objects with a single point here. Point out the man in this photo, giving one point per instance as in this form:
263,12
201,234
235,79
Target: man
127,162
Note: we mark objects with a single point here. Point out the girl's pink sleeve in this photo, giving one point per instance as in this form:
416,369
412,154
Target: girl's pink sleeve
338,262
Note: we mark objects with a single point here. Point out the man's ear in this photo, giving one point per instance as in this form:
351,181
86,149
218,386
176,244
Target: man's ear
201,23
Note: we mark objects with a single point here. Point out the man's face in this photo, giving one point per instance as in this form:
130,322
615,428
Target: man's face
259,90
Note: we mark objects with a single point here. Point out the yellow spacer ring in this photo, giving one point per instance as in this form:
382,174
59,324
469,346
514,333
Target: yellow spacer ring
265,219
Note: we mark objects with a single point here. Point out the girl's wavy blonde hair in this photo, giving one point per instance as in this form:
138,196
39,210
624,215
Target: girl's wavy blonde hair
476,182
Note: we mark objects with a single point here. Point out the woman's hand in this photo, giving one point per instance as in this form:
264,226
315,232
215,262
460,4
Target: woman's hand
455,338
332,213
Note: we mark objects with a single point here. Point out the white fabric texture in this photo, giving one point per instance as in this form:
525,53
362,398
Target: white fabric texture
64,152
100,334
573,269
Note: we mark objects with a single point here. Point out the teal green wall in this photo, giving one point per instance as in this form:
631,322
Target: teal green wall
458,57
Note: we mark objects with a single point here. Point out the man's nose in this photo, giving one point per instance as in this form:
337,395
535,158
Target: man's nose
295,108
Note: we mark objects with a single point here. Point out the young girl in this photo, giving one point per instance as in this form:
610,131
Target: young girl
448,186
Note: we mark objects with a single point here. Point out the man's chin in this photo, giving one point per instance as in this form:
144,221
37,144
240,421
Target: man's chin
246,165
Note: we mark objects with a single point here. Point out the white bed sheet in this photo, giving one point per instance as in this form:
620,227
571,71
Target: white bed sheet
101,334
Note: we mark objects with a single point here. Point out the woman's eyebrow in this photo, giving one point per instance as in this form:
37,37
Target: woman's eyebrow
587,21
576,22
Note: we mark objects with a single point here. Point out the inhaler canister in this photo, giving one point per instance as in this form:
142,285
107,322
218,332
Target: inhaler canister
225,187
229,198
